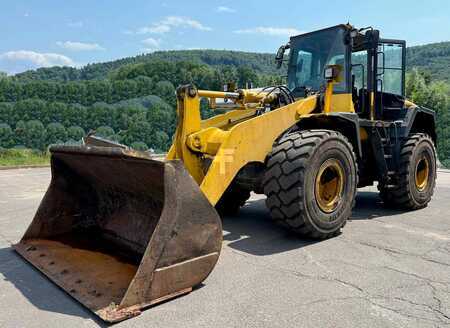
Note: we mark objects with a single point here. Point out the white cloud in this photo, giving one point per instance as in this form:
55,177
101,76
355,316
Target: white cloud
223,9
79,46
273,31
151,42
77,24
37,59
156,29
170,22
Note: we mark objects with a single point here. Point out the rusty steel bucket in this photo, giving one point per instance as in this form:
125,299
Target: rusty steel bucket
119,231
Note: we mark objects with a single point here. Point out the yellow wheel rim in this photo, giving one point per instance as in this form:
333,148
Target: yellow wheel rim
422,172
329,185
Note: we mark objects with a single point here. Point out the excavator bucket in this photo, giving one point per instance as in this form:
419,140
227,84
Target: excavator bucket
120,232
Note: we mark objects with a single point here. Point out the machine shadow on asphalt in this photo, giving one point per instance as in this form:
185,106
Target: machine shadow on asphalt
369,206
253,231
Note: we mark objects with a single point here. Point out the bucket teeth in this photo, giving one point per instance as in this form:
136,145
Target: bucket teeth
120,232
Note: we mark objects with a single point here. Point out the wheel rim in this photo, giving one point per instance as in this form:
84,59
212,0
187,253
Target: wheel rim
329,185
422,173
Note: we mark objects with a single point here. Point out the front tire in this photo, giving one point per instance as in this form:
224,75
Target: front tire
416,177
311,182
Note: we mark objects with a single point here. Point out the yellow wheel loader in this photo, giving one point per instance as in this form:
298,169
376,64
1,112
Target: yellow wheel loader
120,231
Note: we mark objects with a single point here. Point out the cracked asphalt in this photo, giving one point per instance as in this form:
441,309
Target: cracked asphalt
387,269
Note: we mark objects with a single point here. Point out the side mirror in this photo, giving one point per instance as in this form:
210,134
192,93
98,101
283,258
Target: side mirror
280,55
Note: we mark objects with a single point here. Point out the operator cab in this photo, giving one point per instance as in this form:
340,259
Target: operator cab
378,75
372,69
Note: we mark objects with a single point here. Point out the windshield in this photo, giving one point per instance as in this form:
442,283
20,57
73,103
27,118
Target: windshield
310,54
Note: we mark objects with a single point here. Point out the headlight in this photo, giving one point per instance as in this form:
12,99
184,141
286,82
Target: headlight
332,73
329,73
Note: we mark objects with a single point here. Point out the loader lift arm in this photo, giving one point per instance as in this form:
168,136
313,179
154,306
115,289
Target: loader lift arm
230,146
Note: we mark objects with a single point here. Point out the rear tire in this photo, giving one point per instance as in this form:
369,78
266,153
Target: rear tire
303,193
232,200
416,177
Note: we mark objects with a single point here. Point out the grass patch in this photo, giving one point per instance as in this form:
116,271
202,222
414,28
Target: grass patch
20,157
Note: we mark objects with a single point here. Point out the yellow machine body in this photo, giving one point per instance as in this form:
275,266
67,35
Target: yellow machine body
229,139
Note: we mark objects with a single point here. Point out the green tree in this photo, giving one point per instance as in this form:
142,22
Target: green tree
6,136
54,112
123,115
75,133
139,145
160,141
139,130
115,137
124,89
434,95
104,131
20,133
56,133
35,135
6,113
77,115
246,75
98,91
162,117
144,85
165,90
29,109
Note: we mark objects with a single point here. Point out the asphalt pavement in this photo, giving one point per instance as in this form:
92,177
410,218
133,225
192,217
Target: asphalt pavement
387,269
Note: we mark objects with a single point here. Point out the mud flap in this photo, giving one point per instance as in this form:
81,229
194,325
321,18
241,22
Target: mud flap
119,231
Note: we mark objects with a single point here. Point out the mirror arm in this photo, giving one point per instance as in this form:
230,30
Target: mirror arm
279,58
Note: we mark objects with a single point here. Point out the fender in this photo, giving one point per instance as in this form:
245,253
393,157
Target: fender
420,119
344,123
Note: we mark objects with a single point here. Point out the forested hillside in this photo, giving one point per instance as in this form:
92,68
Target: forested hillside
135,105
433,58
260,62
132,100
131,81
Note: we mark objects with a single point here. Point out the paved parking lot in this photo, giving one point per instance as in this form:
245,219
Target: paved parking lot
388,269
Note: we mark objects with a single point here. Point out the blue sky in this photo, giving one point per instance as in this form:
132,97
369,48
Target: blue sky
37,33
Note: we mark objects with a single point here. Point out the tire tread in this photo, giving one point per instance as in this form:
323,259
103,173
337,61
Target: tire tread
401,196
283,181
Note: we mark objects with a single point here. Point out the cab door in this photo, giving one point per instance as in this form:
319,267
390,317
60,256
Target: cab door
390,77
